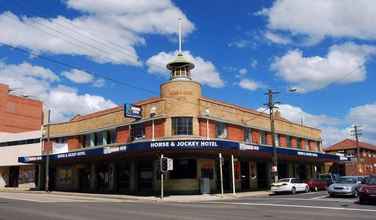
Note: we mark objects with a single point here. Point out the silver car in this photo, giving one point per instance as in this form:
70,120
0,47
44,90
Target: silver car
346,186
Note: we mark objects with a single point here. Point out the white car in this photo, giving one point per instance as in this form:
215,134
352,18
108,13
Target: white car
292,185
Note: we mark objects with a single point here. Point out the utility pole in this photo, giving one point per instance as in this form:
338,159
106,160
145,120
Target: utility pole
48,152
356,133
272,105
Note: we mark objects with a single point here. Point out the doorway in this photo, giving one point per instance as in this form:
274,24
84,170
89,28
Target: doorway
262,175
244,174
13,176
145,176
84,179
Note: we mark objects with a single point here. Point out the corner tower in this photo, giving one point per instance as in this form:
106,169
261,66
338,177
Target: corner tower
181,93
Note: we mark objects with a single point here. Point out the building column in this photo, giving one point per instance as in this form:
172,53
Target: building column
93,178
113,181
133,177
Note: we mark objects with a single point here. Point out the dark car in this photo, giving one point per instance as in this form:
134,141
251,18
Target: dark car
317,184
367,190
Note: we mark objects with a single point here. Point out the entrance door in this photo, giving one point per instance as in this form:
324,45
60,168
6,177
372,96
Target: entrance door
244,174
145,176
262,175
84,179
13,176
123,177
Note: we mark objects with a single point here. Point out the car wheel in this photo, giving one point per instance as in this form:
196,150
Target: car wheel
293,190
331,195
306,189
355,194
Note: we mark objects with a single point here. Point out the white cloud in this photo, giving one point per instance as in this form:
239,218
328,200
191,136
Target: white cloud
107,33
276,38
204,71
243,71
323,18
240,43
365,116
250,84
332,128
82,77
343,64
41,83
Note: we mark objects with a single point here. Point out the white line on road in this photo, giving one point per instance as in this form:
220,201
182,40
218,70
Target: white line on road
320,197
316,199
294,206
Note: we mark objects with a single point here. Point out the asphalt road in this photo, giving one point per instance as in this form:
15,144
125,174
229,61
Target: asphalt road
301,206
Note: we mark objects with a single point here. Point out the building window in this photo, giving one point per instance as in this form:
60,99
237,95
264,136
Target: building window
305,144
182,126
247,135
184,169
288,141
138,131
262,137
221,130
299,143
111,136
61,140
98,139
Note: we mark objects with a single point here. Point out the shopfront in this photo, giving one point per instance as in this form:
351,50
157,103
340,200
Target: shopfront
134,168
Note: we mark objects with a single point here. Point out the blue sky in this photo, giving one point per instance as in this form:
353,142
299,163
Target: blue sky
325,49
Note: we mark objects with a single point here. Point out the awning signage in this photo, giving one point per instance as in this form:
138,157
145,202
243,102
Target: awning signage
184,145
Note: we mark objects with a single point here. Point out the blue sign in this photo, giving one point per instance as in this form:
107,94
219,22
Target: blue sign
289,151
132,111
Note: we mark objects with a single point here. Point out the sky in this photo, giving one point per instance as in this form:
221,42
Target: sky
82,56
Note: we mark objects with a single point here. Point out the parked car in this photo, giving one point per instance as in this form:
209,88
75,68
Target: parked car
328,178
346,186
367,190
316,184
292,185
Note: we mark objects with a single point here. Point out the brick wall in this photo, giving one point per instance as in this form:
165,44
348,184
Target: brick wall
158,129
235,133
122,135
18,114
293,142
255,136
74,143
47,147
202,128
282,140
269,140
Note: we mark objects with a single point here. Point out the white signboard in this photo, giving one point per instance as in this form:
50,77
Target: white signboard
58,148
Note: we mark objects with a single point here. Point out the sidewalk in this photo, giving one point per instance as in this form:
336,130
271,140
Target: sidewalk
171,198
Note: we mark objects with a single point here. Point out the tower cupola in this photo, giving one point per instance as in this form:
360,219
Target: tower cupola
180,68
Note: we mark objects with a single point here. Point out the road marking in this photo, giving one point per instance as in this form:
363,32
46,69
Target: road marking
304,199
294,206
320,197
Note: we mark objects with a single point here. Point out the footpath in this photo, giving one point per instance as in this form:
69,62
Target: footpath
167,198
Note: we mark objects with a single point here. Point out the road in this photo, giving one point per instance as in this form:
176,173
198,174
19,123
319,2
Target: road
301,206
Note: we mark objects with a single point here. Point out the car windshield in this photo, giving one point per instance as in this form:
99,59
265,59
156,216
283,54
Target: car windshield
346,180
284,180
371,180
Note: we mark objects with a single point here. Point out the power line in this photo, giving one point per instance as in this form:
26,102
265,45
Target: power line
74,29
152,92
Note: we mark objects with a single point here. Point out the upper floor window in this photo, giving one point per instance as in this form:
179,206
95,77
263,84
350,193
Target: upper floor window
298,143
221,130
137,131
262,137
288,141
182,126
111,136
247,135
305,144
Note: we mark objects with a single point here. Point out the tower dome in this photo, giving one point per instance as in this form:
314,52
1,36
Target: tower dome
180,68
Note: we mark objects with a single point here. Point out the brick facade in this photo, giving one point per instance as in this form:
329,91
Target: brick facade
19,114
235,133
74,143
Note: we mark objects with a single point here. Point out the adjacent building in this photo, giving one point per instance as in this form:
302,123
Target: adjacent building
118,150
366,164
20,135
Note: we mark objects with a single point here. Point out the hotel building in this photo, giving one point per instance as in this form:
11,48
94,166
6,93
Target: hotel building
118,150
